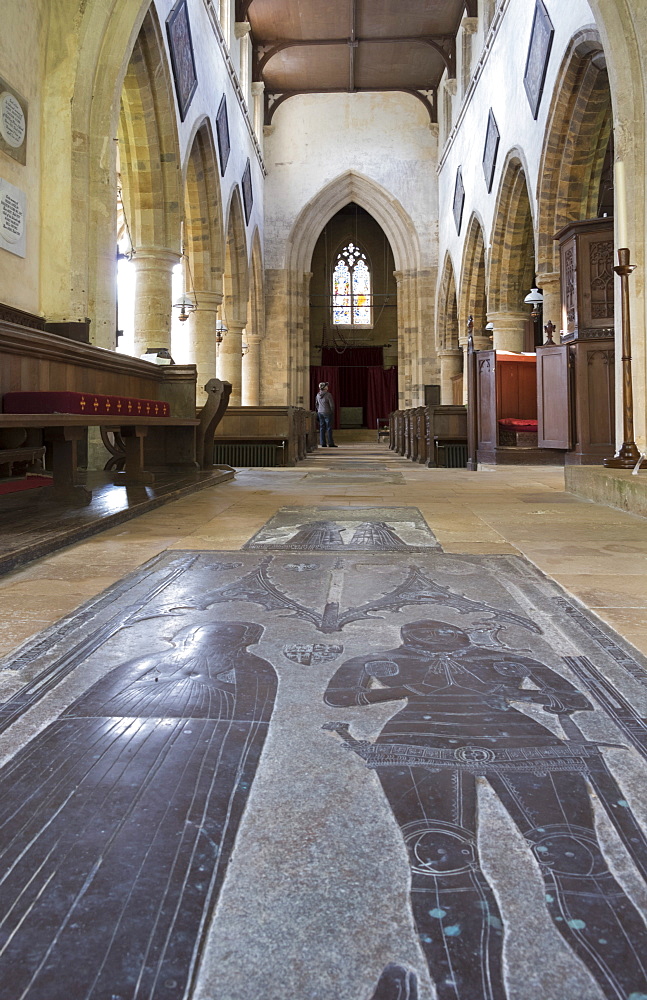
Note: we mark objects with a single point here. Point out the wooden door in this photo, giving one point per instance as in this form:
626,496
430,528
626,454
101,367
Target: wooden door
553,397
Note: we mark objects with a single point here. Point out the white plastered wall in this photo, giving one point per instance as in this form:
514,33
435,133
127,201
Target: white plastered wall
314,144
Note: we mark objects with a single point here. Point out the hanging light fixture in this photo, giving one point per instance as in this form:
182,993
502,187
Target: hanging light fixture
534,298
186,303
245,349
221,330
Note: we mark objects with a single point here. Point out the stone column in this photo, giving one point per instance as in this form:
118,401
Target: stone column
153,297
509,330
230,361
203,338
550,286
251,375
451,364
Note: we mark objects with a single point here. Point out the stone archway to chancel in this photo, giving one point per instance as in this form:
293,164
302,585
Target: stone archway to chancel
447,336
204,247
236,295
415,282
512,259
473,291
255,329
577,162
150,177
356,340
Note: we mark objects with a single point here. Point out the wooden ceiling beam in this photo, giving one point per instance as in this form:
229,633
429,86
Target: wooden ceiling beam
445,45
273,101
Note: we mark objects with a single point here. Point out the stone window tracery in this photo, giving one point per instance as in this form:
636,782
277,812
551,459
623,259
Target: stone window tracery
351,288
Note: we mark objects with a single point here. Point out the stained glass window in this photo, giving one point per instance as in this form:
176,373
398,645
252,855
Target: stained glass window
351,288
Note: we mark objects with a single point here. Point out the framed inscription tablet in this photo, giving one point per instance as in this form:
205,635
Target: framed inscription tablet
541,42
491,150
459,200
222,131
182,60
248,194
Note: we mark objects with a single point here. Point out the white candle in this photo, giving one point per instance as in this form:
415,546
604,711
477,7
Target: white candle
620,205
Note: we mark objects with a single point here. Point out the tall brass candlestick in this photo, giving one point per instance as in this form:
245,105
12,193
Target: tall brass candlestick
628,456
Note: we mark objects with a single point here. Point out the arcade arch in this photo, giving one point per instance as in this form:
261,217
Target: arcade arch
236,294
150,176
449,349
255,330
205,250
512,261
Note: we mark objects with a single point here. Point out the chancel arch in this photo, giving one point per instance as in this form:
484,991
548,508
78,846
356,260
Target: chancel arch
255,330
204,247
512,262
576,172
388,213
151,182
352,323
450,351
236,294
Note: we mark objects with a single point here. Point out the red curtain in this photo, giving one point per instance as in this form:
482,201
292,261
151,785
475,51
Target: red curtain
371,387
382,394
329,374
364,356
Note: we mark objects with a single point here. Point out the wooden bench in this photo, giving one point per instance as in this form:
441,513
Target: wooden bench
64,431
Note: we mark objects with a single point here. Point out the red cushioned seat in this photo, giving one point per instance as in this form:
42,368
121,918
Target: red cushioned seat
518,424
87,403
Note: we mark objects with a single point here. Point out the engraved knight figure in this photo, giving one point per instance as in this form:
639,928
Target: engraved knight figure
458,723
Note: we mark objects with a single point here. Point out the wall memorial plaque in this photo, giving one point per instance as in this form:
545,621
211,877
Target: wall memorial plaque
182,61
459,200
541,42
248,194
13,123
491,150
13,213
222,131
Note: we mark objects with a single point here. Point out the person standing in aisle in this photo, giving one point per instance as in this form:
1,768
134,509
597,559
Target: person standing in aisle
325,406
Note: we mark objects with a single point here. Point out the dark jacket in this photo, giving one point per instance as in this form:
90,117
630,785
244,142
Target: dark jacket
324,403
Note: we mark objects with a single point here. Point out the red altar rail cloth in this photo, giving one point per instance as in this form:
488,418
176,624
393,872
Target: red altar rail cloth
83,402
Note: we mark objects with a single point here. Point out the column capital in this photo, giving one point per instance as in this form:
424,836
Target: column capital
258,88
470,25
208,301
163,255
236,328
242,28
450,352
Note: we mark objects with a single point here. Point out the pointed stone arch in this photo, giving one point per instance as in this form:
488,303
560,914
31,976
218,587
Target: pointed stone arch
353,187
236,274
148,143
149,162
204,246
450,352
255,331
236,295
577,136
473,285
414,284
203,217
512,260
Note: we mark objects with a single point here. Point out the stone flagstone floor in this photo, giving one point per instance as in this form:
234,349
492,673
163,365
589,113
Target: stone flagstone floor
448,800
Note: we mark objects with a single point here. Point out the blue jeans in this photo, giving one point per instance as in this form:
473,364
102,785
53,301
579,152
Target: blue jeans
325,427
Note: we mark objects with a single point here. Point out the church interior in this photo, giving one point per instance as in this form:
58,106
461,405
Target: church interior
280,721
